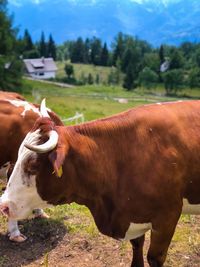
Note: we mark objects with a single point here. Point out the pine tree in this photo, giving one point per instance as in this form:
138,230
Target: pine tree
118,47
104,55
51,48
87,51
28,49
28,43
77,51
42,46
130,78
96,49
161,54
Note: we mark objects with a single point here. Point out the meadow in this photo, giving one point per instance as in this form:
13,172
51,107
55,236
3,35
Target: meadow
70,237
83,70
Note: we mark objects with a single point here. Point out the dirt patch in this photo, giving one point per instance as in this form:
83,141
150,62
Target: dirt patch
50,245
43,236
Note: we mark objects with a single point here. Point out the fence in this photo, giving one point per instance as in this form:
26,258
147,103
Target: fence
78,118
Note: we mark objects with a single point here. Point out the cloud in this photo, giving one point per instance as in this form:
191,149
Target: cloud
15,2
22,2
92,2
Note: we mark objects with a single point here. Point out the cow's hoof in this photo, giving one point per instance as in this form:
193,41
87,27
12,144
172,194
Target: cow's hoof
18,239
42,215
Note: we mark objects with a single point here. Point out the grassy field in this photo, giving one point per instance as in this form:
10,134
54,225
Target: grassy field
71,230
83,70
93,101
103,72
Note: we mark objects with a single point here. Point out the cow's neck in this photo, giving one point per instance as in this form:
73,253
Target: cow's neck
96,178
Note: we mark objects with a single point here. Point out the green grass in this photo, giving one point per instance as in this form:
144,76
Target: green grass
93,101
46,260
81,70
103,72
3,260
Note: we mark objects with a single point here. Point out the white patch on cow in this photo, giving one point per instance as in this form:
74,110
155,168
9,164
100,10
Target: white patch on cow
136,230
190,208
21,192
4,169
27,106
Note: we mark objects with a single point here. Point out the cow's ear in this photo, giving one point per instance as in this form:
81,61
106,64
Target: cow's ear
57,156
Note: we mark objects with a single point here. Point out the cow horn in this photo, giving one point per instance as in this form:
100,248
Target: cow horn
43,109
46,147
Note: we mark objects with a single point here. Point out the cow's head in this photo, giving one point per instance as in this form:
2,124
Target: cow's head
35,157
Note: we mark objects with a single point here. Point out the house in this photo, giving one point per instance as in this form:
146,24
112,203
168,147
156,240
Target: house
164,66
40,68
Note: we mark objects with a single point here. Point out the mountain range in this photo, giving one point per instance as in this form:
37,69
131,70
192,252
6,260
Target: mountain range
156,21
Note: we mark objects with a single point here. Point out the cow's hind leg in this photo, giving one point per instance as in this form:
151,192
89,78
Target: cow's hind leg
137,245
161,237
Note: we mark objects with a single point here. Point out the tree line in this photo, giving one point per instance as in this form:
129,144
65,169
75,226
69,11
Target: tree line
140,64
174,67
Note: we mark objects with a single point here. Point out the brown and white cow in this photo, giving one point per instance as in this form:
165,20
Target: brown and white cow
17,117
136,171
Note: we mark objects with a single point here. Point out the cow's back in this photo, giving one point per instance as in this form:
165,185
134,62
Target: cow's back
10,95
160,158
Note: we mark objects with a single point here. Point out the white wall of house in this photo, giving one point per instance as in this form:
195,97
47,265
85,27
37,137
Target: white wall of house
43,75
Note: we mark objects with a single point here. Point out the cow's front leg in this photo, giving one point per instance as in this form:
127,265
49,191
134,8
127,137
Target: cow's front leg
14,233
161,237
137,245
13,229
